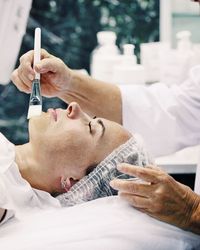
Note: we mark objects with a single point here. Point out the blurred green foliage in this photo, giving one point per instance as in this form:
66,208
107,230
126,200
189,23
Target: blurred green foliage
69,30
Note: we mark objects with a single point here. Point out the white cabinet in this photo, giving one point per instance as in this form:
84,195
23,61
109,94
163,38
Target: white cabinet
13,21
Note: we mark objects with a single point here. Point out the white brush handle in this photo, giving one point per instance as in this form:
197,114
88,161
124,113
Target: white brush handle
37,48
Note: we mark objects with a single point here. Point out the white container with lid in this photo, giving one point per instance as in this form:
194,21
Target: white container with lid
105,56
150,56
175,64
128,71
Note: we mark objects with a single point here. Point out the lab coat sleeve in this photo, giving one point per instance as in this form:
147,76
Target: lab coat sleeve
168,118
9,214
3,199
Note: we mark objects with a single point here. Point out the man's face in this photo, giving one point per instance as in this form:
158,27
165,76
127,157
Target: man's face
69,141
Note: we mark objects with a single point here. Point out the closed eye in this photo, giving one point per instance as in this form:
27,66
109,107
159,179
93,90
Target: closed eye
90,126
102,127
100,122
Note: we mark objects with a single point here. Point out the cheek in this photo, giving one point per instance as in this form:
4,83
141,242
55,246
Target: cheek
79,145
72,144
80,149
53,150
37,126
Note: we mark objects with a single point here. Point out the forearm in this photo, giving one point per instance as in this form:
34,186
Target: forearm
194,224
95,97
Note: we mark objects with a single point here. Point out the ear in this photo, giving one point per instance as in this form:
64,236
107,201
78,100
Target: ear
65,183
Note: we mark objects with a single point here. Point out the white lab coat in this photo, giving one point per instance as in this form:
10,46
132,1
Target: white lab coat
168,118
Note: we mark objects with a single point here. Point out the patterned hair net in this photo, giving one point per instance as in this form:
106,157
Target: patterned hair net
96,184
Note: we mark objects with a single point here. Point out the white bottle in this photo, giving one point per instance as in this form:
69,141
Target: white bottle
150,57
183,41
184,53
105,56
176,64
128,71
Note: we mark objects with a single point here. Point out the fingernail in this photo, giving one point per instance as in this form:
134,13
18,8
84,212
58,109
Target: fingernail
30,77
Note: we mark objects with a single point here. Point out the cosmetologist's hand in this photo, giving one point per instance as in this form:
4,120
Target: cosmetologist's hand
159,196
55,75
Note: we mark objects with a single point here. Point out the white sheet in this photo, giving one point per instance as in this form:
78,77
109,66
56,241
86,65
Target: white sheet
16,194
103,224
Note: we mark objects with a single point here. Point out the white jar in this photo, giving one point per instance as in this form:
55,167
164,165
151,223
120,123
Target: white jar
128,71
175,64
151,55
105,56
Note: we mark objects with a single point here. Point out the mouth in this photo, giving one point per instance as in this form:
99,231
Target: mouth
53,114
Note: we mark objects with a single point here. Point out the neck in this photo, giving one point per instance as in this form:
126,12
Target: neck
30,167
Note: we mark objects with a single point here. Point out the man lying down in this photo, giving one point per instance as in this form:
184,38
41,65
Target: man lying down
68,153
64,146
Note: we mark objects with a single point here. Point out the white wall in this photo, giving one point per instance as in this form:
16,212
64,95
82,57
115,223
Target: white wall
177,15
185,6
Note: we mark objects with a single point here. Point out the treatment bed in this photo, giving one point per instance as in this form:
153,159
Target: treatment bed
106,223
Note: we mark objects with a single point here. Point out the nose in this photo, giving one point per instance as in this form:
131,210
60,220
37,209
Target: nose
74,111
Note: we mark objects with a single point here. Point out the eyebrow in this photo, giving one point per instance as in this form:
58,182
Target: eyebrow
102,125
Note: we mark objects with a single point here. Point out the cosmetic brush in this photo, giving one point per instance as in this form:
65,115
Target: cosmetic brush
35,102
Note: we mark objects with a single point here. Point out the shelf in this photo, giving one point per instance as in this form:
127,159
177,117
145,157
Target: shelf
188,15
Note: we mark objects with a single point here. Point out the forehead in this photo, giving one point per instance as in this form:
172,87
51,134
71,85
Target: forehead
114,131
112,125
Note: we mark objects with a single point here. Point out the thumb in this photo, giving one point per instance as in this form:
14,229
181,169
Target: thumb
46,65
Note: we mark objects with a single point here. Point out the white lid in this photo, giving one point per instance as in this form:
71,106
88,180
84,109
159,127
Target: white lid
184,42
128,57
106,37
128,49
184,34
